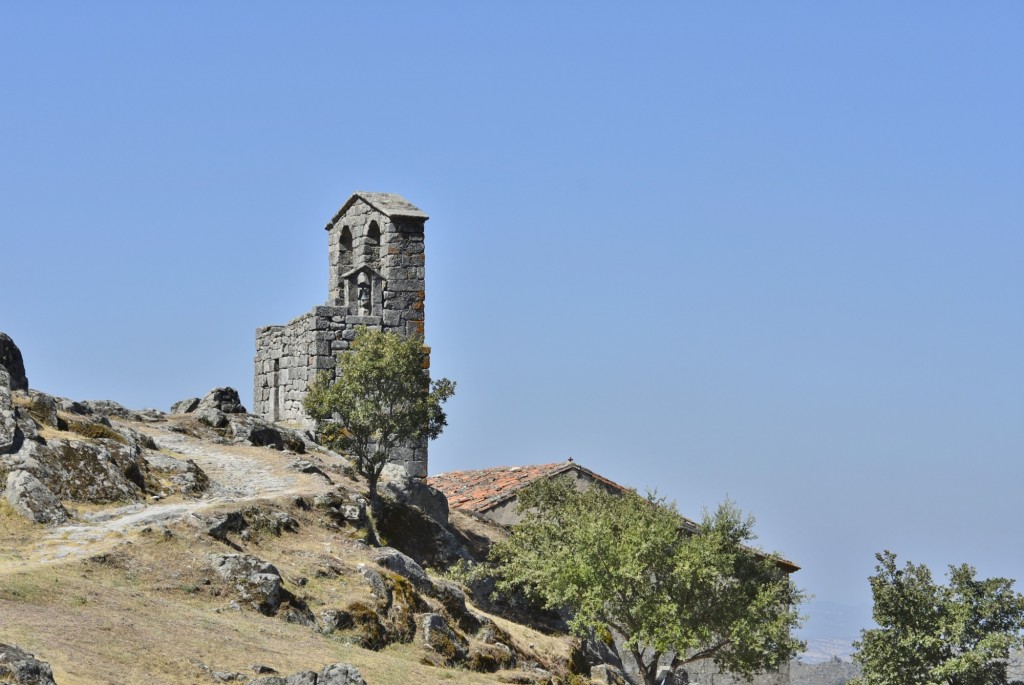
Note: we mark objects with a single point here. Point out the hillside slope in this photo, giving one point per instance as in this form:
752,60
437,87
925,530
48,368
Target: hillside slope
187,554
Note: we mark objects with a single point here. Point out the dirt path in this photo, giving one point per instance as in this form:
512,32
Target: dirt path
237,474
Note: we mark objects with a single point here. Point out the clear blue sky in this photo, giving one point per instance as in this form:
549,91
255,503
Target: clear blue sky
767,250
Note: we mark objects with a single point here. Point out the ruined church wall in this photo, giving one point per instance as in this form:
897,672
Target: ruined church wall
370,250
289,358
283,370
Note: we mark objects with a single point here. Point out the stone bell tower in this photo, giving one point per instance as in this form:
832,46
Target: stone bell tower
375,244
376,250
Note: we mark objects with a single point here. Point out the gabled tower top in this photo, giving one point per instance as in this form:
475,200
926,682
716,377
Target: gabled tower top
391,205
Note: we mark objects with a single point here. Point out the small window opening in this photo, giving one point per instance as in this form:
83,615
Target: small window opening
373,234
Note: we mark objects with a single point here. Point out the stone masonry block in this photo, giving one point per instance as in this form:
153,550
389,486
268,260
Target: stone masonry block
362,320
405,285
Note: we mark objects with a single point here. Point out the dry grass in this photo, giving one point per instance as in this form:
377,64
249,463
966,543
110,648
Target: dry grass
153,611
15,530
147,608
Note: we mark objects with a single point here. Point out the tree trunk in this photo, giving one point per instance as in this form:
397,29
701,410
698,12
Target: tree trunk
649,671
373,510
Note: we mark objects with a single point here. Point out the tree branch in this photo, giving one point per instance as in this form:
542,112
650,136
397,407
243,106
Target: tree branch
709,652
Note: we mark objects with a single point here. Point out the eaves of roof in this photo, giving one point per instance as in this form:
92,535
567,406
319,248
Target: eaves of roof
389,204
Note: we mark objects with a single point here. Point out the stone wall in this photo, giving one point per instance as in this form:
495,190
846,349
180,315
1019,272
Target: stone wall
377,262
507,514
289,357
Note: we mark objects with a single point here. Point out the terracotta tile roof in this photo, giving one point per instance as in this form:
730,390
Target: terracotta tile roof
481,490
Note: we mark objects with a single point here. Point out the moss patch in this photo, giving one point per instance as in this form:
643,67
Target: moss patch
368,626
490,658
96,431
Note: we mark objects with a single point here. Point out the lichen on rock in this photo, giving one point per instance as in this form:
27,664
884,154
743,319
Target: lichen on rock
33,500
21,668
257,582
8,420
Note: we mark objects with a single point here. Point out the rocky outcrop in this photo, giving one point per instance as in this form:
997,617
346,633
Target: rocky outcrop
221,409
108,408
430,542
440,637
340,674
597,655
176,475
18,667
416,493
101,471
399,563
446,592
343,507
222,525
334,674
33,500
8,418
257,582
222,399
405,603
245,428
44,408
409,602
10,359
186,406
93,460
214,408
607,675
388,618
105,466
28,426
212,417
304,466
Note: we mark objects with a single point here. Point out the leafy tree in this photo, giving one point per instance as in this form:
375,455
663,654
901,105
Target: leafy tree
957,634
382,399
632,564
